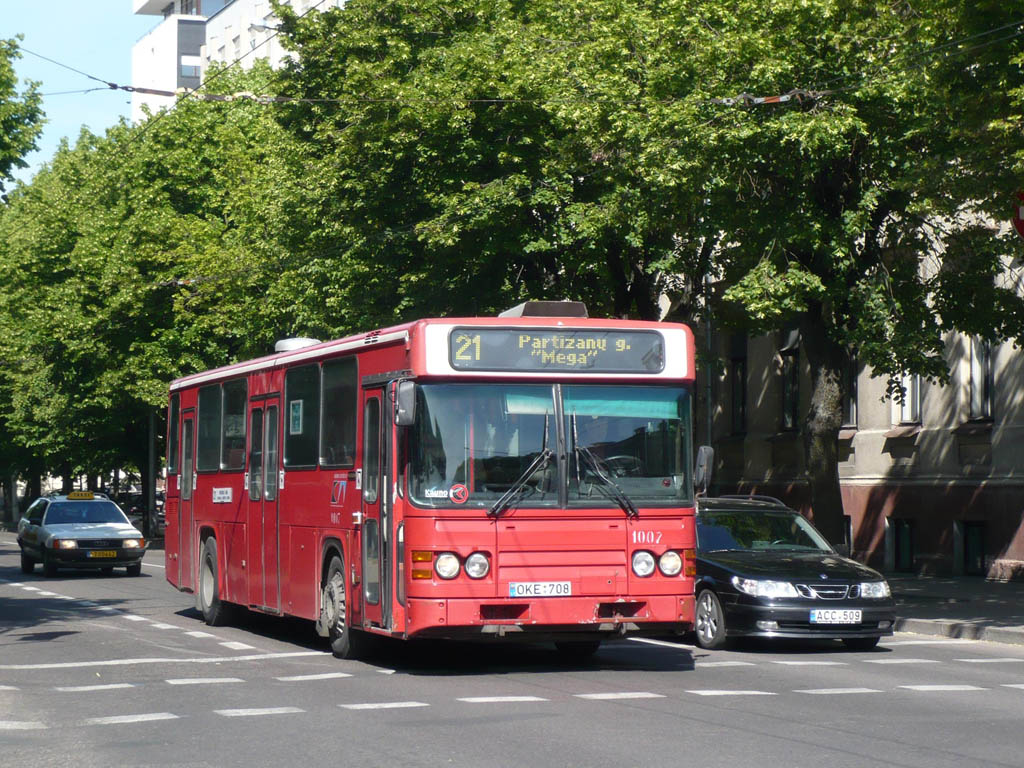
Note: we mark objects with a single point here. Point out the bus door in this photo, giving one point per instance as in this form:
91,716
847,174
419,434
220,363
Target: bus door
376,541
186,535
262,481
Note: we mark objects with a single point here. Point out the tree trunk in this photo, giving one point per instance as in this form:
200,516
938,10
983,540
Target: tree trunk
821,429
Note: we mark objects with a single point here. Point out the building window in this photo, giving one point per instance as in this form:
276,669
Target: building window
981,380
909,408
849,394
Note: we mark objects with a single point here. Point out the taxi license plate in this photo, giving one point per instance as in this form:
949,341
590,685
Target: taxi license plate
835,616
539,588
102,553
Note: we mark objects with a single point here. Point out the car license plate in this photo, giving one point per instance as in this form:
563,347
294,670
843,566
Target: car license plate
835,616
539,588
102,553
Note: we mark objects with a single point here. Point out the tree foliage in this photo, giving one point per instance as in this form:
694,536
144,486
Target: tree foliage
21,115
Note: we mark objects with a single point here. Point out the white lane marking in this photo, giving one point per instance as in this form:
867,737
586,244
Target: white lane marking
197,633
161,625
162,660
47,594
499,699
663,643
902,661
28,588
709,664
386,705
1004,660
324,676
622,695
133,617
108,609
813,663
234,645
943,688
203,680
946,641
1019,686
837,691
259,712
8,688
82,688
153,565
20,725
732,693
386,671
122,719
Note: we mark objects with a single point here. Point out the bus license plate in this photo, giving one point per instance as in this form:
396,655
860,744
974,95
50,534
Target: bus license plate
539,588
835,616
102,553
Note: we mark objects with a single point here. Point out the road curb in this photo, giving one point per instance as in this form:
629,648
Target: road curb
962,630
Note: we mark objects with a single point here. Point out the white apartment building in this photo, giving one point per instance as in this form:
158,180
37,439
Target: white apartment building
192,34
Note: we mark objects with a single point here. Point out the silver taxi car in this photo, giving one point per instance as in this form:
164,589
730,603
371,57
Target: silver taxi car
79,530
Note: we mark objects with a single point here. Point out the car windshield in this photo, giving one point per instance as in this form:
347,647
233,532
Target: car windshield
626,445
70,512
746,530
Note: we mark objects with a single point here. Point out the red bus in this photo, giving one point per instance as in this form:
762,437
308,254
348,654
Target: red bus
526,476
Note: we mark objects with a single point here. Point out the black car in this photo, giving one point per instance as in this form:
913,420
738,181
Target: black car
764,571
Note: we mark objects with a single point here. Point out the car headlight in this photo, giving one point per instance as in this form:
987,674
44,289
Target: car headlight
643,563
447,565
65,544
477,565
767,589
875,590
133,543
670,563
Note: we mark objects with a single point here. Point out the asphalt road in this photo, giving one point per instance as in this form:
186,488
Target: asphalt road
101,671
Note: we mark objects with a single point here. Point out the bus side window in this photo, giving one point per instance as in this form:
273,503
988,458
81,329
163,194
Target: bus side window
338,414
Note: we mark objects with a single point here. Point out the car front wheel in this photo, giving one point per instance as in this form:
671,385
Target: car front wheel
28,563
710,621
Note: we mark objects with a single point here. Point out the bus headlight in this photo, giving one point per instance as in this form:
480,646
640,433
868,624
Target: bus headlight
643,563
670,563
447,565
477,565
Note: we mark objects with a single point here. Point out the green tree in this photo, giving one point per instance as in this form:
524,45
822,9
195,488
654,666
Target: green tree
472,154
21,115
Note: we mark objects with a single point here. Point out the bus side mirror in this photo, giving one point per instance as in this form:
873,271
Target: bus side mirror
702,471
405,403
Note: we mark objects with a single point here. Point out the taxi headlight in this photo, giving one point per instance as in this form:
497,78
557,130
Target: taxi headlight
877,590
477,565
643,563
447,565
65,544
670,563
767,589
133,543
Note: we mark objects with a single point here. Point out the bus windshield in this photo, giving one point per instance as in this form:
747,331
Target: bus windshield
472,443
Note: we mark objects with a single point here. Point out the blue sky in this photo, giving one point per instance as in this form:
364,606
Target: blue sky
94,37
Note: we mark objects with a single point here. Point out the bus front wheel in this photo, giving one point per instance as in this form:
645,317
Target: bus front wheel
334,612
215,611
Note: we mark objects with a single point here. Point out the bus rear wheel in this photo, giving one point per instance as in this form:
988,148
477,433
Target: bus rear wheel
334,612
215,611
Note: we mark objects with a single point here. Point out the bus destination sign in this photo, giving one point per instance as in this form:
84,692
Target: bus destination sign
546,349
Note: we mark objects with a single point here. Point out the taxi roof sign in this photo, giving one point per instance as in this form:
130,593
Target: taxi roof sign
81,495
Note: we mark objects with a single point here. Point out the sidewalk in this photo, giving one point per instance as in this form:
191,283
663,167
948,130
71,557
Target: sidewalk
966,607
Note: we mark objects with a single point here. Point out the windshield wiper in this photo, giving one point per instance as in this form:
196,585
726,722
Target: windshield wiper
519,486
608,486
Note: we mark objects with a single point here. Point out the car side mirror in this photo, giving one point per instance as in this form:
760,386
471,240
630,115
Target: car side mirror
405,403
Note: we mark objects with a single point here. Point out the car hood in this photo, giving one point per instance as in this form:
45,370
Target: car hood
95,530
790,566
